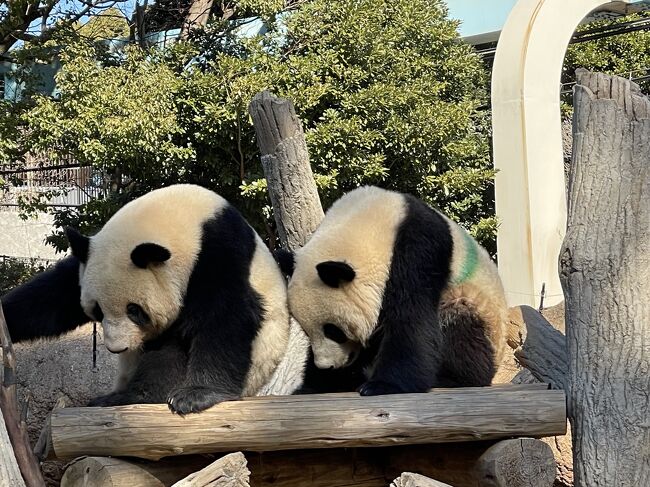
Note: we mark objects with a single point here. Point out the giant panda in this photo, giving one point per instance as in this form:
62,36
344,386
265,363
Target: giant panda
395,298
187,294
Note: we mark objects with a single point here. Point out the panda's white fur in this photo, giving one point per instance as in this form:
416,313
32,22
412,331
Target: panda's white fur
272,338
221,340
171,217
360,231
359,228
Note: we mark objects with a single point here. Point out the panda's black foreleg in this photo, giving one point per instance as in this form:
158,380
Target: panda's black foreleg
47,305
157,373
214,374
409,353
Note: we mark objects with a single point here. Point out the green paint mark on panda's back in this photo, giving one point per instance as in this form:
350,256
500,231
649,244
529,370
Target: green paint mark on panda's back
470,261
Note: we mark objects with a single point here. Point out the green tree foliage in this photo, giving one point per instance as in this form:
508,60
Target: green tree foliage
108,24
14,272
386,91
621,54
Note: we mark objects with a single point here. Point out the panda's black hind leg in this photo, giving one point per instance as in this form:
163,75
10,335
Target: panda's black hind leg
469,355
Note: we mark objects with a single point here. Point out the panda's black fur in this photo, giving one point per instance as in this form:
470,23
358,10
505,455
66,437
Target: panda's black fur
204,356
429,331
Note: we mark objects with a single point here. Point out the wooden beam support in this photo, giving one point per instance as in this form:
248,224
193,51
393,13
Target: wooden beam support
228,471
527,462
312,421
538,346
14,417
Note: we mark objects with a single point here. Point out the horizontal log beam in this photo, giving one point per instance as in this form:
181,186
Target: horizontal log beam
519,462
312,421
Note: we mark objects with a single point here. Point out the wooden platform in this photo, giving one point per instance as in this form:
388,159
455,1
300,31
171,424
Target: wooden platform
312,421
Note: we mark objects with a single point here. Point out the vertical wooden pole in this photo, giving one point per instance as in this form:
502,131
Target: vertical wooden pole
605,273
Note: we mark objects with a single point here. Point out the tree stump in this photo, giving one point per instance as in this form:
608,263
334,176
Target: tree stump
605,273
290,181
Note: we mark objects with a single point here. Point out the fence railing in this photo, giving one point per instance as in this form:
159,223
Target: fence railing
64,183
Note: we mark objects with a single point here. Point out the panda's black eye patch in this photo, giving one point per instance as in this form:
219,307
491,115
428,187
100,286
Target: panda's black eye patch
137,315
98,314
334,333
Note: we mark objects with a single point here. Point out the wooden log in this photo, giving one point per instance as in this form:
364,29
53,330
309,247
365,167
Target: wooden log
313,421
285,160
9,471
505,464
605,273
14,418
458,464
408,479
92,471
107,472
296,208
538,346
43,447
228,471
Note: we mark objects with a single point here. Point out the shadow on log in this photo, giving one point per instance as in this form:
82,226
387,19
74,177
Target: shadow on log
509,463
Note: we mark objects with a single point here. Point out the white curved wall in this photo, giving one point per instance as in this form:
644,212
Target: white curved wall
527,134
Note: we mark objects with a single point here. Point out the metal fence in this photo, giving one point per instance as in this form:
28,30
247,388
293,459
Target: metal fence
63,183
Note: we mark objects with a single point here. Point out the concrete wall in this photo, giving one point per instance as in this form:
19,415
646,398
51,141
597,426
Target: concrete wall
25,238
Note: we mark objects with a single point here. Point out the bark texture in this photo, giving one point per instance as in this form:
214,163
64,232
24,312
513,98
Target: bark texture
9,471
285,160
537,345
296,208
311,421
605,272
14,417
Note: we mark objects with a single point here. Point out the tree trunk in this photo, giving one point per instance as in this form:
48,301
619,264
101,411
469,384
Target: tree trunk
285,160
605,272
197,16
296,208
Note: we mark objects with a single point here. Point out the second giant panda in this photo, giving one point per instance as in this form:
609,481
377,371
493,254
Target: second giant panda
396,297
187,293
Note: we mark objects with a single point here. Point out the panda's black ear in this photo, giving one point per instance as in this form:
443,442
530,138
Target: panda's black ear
286,261
333,273
149,253
79,244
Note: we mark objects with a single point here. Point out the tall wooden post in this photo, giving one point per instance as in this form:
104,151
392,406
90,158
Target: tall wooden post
605,273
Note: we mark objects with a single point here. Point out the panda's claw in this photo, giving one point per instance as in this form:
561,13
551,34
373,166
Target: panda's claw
378,388
185,400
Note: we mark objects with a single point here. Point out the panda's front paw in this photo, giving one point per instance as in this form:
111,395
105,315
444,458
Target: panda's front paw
186,400
378,388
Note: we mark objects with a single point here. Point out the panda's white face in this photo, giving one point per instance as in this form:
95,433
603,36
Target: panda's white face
336,316
339,276
135,271
132,310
